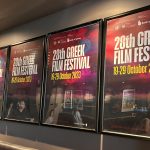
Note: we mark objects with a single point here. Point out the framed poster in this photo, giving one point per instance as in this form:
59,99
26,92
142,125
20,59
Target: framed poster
3,61
72,77
24,81
127,74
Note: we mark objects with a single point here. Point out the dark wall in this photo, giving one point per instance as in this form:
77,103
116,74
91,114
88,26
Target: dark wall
66,138
124,143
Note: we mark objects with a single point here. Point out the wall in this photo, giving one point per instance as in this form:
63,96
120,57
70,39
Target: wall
79,140
90,10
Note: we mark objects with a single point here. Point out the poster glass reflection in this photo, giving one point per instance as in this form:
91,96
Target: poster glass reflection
127,74
24,81
71,90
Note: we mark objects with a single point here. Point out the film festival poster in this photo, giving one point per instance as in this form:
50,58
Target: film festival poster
127,74
71,88
24,81
3,61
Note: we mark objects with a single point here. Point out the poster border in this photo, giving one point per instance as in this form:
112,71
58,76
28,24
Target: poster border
102,129
42,81
99,22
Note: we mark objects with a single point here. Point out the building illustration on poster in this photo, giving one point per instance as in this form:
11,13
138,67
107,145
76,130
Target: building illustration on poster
68,99
72,77
128,100
24,81
127,71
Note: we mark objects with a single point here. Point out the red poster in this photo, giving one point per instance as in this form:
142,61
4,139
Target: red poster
3,60
24,81
127,74
71,91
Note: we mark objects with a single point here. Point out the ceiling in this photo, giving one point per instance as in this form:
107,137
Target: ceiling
16,12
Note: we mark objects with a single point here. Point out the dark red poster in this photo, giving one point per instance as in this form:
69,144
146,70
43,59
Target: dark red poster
127,74
3,60
24,81
71,92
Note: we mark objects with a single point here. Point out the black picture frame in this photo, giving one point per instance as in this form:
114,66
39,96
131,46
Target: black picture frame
96,128
41,46
121,126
